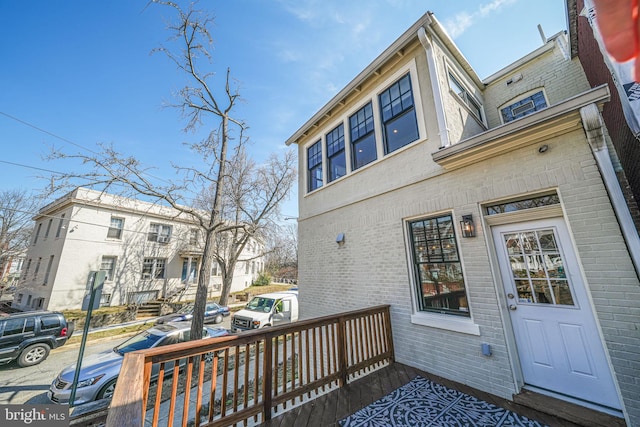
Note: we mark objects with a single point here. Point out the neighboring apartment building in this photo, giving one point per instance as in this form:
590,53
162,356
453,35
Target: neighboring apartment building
485,212
147,251
11,269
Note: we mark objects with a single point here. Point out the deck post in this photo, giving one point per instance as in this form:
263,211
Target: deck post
267,391
342,354
127,406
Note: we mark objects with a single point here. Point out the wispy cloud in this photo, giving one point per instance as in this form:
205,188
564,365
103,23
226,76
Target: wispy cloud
463,20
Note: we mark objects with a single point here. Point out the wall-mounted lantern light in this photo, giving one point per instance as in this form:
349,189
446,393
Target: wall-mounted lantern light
340,239
467,226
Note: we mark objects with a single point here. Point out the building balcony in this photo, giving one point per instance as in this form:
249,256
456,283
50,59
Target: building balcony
313,372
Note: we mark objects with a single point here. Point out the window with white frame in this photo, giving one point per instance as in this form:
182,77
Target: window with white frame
336,160
115,228
314,166
35,272
105,300
46,233
160,233
26,270
108,265
399,121
436,266
46,274
193,236
522,107
35,239
466,97
60,224
153,268
363,137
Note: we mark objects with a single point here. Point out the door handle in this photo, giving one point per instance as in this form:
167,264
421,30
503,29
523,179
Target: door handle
513,307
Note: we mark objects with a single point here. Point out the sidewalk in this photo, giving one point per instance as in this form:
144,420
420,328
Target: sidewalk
78,332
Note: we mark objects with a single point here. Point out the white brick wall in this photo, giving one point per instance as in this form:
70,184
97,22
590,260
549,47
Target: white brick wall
372,269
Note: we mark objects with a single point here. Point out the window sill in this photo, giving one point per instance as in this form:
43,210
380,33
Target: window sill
447,322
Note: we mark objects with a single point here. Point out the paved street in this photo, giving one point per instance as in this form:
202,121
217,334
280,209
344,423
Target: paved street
30,385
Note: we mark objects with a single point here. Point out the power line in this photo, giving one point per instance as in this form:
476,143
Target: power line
46,131
31,167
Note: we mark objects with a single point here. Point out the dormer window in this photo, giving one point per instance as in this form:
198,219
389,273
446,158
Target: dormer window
524,106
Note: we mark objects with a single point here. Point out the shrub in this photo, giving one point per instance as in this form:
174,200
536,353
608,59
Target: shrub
263,280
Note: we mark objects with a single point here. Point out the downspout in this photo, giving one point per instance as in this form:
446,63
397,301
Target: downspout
593,127
435,87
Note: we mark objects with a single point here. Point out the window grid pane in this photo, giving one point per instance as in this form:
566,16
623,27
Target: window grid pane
335,153
398,115
314,161
438,271
363,141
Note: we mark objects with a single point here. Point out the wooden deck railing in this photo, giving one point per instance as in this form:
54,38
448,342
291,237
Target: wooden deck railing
245,378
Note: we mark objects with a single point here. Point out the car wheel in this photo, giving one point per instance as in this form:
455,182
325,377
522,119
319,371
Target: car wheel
33,355
106,392
218,319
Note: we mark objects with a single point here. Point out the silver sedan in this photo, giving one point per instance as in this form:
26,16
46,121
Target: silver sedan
99,372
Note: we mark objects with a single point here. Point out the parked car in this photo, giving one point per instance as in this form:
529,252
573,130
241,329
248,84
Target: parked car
99,372
214,313
28,337
267,310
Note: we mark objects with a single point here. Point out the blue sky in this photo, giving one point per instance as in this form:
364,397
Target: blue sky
82,70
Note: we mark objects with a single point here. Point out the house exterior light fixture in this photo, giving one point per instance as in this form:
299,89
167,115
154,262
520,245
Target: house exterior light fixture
467,226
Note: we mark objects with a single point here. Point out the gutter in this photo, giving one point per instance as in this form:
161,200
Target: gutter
443,130
594,130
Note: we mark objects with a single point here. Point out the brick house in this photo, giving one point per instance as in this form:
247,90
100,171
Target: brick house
147,251
487,213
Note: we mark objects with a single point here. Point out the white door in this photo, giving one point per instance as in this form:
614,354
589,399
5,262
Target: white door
555,330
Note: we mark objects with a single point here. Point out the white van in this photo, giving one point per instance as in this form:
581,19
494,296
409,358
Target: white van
267,310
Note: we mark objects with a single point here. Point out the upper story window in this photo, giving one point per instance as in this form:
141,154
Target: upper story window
26,270
459,89
48,271
393,108
363,138
193,236
115,229
60,224
398,115
336,160
46,233
523,107
35,239
160,233
314,161
436,266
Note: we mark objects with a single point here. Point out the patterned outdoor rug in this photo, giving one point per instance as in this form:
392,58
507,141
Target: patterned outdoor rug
425,403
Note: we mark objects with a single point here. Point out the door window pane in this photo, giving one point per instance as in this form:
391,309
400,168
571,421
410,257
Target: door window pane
537,267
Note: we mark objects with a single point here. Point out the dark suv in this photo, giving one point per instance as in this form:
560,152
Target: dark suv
28,337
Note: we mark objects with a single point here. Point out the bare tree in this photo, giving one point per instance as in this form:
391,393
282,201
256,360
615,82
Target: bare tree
220,150
282,251
250,205
16,210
